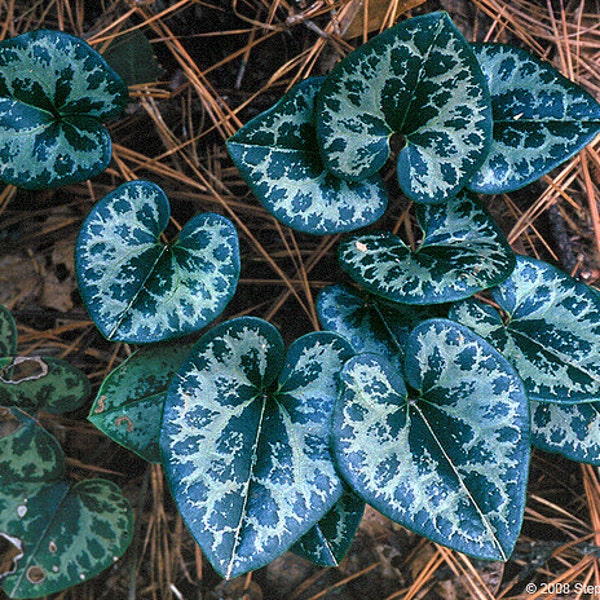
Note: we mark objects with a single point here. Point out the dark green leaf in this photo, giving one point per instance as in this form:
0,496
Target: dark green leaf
27,451
138,289
550,331
67,533
278,157
245,440
462,252
419,79
540,118
55,93
445,454
129,404
327,542
33,383
8,333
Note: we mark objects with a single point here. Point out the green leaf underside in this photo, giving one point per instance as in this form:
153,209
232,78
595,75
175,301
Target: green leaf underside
129,404
245,440
277,155
33,383
68,533
138,289
55,92
572,430
540,118
327,542
27,451
8,333
450,464
370,324
463,252
421,79
551,335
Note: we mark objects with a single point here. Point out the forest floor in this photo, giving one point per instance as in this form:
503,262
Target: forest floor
221,62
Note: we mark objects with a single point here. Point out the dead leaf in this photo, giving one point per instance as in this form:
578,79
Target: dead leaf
379,12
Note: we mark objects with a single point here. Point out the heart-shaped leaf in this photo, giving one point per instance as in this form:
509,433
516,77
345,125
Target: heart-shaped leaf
369,323
138,289
27,451
55,93
540,118
129,404
245,440
550,331
446,454
8,333
327,542
33,383
418,79
462,252
278,157
67,533
572,430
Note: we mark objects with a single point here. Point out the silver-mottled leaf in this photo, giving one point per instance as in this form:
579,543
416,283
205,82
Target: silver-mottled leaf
550,331
138,289
420,79
449,459
8,333
540,118
278,157
245,440
55,93
462,252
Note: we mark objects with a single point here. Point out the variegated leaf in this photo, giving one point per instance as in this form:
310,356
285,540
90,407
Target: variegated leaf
327,542
540,118
67,533
572,430
8,333
419,79
33,383
27,451
462,252
138,289
129,404
448,458
277,155
369,323
55,93
245,440
550,331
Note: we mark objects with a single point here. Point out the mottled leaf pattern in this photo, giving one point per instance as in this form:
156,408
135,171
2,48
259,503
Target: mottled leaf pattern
540,118
278,157
449,459
55,92
572,430
34,383
129,404
462,252
27,451
138,289
369,323
8,333
420,79
550,332
327,542
68,533
245,440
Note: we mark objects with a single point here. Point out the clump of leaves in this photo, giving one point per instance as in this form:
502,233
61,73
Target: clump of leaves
58,532
55,94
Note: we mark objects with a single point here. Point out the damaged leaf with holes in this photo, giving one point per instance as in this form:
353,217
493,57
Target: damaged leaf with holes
264,416
65,532
138,289
129,404
56,92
